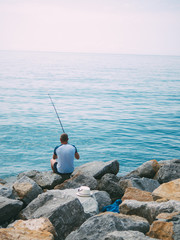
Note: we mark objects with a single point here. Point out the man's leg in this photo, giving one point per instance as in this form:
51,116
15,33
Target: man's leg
52,164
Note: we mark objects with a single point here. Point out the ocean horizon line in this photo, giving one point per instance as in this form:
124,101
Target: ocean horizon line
86,52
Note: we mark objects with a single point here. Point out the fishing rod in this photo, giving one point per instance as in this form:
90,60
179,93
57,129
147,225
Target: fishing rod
56,113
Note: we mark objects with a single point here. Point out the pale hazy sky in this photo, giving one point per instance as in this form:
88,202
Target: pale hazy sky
112,26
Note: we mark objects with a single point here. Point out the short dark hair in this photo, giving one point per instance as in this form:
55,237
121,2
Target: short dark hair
64,137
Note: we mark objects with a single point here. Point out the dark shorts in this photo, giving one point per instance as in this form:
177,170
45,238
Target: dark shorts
63,175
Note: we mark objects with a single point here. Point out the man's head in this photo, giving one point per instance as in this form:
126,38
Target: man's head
64,138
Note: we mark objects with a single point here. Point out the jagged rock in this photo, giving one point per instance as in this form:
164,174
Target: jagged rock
137,194
148,210
126,182
65,212
167,226
9,209
36,229
147,169
165,162
78,180
109,183
168,171
162,230
24,234
103,199
143,183
89,204
26,189
169,191
39,224
6,192
46,180
127,235
97,169
100,225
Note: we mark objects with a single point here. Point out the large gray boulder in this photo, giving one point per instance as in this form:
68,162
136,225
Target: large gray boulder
147,169
127,235
9,209
93,204
97,227
65,212
148,210
109,183
77,181
89,204
168,171
46,180
26,189
144,184
97,169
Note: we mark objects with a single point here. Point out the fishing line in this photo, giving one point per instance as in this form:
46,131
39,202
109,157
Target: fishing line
56,113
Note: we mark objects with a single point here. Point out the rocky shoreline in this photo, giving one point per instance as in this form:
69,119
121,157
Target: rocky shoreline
40,205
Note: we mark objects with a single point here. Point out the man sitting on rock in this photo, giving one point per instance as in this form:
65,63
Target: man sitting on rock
63,158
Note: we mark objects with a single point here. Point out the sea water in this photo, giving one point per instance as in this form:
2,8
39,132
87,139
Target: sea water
123,107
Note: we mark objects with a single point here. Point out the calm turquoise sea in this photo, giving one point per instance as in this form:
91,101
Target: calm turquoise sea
124,107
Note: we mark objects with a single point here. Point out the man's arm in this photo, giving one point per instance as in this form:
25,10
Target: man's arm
77,155
54,156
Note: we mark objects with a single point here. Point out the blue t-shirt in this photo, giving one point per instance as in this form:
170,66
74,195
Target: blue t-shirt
65,157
